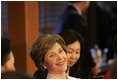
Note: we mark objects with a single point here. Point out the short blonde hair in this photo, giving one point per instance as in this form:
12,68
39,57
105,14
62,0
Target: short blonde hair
42,45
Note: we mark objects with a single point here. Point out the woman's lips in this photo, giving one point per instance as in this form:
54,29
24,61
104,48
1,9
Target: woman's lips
71,62
61,63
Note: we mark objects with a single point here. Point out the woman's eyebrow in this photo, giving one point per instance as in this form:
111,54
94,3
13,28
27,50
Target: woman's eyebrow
79,49
73,49
59,49
50,53
53,52
70,48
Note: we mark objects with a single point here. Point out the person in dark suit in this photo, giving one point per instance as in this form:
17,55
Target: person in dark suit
72,18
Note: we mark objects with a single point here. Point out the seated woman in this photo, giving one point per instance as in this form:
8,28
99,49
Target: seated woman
49,53
79,61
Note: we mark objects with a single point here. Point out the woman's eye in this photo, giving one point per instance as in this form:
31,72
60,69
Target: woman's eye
60,51
51,55
77,52
70,52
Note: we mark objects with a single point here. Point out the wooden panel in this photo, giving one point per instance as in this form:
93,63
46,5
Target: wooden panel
32,30
23,31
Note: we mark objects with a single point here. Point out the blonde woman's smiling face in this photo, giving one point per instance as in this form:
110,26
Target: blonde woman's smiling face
56,59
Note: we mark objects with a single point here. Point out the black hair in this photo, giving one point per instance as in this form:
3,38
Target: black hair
71,36
5,50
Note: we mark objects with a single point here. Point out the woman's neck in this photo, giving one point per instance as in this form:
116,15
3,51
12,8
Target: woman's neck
67,71
52,75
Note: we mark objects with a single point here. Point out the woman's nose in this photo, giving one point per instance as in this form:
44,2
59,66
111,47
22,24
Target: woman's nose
59,56
73,56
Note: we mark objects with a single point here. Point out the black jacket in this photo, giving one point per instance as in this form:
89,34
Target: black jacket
70,19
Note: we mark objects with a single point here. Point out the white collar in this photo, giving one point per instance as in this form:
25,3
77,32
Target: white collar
52,76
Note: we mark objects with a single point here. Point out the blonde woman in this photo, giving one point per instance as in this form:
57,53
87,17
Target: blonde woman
48,53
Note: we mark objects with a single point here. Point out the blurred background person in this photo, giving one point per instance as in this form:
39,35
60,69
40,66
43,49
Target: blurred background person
72,17
106,15
7,58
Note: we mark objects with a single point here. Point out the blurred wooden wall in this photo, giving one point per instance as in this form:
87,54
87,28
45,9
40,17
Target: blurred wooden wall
23,30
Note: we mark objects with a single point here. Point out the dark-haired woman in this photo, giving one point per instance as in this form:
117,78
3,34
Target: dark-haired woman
80,62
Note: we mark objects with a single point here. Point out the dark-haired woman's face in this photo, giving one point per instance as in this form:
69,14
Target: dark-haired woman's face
73,53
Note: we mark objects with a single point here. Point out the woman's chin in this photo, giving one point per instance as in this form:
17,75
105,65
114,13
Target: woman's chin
70,65
63,69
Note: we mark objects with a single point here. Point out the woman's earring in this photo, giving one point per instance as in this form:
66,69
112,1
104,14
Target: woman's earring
44,67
